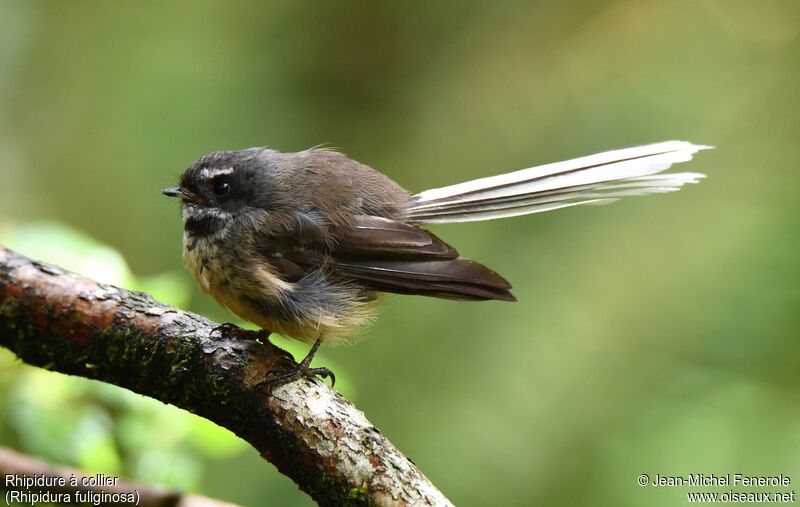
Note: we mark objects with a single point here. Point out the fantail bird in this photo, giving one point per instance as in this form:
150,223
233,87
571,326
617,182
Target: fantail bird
303,243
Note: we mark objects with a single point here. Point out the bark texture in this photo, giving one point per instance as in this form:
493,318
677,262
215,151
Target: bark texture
67,323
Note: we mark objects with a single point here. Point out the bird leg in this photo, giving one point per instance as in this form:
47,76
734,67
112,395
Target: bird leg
302,370
231,330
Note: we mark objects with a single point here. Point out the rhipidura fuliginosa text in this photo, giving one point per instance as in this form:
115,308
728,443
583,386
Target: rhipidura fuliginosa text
303,243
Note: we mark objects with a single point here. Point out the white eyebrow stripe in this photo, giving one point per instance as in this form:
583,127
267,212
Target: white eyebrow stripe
213,172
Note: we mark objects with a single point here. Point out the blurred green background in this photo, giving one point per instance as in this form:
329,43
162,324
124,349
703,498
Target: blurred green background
656,335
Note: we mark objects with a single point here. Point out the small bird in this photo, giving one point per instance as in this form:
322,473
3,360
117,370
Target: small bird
304,243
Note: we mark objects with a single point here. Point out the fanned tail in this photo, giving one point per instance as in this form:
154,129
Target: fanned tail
595,179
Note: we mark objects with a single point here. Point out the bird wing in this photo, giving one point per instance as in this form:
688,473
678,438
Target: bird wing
391,256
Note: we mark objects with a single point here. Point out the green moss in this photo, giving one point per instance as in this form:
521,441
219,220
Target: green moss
10,309
357,494
338,494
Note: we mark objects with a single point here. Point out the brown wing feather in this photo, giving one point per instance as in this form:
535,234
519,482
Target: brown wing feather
450,279
391,256
375,237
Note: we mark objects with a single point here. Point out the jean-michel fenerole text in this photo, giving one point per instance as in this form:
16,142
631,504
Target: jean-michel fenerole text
721,480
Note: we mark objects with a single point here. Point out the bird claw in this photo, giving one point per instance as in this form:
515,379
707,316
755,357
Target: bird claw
297,373
229,329
303,369
226,328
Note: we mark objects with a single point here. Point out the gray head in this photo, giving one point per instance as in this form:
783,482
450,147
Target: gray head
224,182
270,188
224,185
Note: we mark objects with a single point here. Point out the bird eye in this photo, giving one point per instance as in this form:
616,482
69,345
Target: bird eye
221,187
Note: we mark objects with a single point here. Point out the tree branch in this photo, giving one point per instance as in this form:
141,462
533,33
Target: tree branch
71,324
18,465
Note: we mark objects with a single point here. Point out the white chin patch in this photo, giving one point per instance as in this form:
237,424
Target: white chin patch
199,212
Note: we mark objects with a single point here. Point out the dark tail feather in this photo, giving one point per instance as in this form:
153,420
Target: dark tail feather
459,279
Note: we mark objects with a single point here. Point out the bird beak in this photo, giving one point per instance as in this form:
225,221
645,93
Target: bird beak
180,192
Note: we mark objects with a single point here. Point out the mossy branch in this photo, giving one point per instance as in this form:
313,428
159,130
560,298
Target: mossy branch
71,324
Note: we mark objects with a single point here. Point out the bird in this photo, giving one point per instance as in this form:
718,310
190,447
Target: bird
304,243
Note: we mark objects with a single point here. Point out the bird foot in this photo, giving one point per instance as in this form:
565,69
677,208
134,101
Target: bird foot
296,374
229,329
303,369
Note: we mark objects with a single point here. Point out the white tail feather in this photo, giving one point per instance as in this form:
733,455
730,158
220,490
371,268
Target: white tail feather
595,179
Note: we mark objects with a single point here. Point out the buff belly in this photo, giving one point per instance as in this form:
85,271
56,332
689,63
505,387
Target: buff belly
246,287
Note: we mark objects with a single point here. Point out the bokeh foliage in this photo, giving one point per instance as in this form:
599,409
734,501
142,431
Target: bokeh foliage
657,335
92,425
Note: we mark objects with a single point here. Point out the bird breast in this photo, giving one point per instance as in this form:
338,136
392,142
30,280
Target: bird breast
248,285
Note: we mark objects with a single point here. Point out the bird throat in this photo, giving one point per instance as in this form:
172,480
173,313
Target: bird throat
202,227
